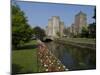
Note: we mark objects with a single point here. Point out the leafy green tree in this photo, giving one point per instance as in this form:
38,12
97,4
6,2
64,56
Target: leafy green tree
85,31
39,32
92,30
58,34
21,31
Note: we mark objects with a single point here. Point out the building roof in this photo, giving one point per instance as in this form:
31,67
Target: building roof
81,13
56,17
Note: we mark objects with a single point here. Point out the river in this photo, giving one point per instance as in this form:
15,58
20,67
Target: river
72,57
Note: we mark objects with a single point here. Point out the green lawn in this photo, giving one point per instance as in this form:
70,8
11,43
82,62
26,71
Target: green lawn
81,40
24,60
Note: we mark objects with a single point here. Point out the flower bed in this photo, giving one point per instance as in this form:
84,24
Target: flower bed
47,61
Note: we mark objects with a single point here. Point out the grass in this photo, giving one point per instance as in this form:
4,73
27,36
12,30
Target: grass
81,40
24,60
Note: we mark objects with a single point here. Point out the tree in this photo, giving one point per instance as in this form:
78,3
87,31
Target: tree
39,32
58,34
92,26
67,31
92,30
21,31
85,32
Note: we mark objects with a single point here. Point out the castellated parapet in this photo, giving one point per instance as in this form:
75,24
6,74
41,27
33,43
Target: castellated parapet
55,27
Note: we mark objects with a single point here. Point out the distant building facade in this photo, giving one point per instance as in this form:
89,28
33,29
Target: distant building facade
79,22
55,27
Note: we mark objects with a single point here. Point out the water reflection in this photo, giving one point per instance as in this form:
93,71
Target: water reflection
73,58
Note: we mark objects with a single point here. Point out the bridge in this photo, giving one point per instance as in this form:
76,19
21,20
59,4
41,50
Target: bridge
48,38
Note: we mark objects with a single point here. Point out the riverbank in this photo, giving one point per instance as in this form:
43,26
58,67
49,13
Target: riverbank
47,61
79,42
72,56
24,59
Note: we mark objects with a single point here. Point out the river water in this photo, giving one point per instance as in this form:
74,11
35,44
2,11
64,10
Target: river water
73,58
